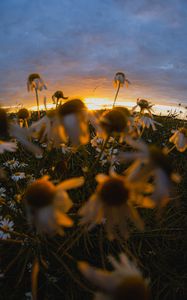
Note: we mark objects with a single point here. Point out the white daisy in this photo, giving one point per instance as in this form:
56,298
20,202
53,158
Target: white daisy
179,138
149,162
47,204
18,176
11,164
125,282
144,106
145,121
6,224
112,201
2,192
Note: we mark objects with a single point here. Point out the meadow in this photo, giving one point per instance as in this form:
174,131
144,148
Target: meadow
40,252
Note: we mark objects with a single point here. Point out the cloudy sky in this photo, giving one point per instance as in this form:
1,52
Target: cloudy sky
78,45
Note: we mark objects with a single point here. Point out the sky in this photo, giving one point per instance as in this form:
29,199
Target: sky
78,45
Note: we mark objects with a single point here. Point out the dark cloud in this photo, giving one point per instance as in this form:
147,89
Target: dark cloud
79,45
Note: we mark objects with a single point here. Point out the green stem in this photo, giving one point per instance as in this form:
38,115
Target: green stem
116,95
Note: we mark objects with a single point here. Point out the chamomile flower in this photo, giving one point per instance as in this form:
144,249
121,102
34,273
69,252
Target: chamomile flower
150,162
2,192
48,130
35,82
111,201
23,116
145,121
73,116
144,106
6,224
47,204
119,80
11,164
18,176
179,139
113,123
57,96
125,282
7,146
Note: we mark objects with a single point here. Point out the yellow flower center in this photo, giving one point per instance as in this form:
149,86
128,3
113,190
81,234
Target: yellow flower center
113,192
40,193
144,103
132,288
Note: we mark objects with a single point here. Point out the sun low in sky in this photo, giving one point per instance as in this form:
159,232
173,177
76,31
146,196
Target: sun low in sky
78,46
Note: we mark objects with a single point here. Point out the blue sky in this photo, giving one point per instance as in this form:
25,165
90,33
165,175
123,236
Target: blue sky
78,46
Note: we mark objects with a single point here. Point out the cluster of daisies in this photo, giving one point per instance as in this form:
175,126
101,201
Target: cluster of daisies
115,139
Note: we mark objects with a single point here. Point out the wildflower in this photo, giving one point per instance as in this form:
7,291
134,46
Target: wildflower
7,146
18,176
57,96
146,121
6,225
21,134
119,81
150,162
35,82
113,122
11,164
125,282
47,204
65,149
179,138
111,200
144,105
2,192
73,116
23,116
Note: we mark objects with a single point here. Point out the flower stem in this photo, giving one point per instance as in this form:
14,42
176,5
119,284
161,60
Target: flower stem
116,95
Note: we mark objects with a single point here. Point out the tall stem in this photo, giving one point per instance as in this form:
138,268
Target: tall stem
37,101
116,94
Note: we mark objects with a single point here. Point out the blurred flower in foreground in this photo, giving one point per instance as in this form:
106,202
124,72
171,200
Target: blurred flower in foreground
57,96
7,146
112,202
125,282
35,82
47,204
119,80
23,116
8,128
179,138
113,123
73,116
48,129
144,106
6,224
150,163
